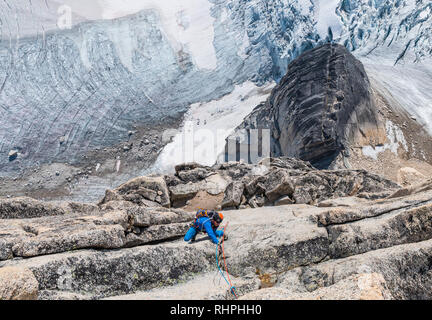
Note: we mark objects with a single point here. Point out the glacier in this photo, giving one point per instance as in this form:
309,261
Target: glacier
127,64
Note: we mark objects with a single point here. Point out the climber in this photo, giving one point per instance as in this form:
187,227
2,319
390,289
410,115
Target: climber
208,222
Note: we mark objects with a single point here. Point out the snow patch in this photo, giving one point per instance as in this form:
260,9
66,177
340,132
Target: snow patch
207,125
425,13
326,17
409,85
396,139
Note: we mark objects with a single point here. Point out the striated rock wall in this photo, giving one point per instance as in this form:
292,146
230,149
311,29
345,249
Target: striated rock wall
320,108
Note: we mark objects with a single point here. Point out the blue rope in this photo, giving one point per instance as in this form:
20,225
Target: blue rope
232,289
217,263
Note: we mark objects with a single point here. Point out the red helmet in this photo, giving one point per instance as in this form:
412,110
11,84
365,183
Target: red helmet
218,217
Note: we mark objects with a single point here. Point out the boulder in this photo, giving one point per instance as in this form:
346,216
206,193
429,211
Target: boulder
260,185
188,166
302,196
408,176
233,195
13,154
6,249
255,186
257,201
140,191
193,175
278,183
18,283
184,191
148,194
84,236
104,230
372,209
288,163
203,199
405,268
214,184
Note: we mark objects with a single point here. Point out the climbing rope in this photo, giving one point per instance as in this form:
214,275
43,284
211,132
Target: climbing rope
228,281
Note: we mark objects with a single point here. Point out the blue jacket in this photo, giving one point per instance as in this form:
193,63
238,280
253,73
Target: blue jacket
206,225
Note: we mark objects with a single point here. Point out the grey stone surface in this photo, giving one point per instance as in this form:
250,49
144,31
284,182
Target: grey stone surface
157,233
284,252
272,239
195,289
411,225
114,272
104,229
299,250
21,208
405,268
367,286
373,209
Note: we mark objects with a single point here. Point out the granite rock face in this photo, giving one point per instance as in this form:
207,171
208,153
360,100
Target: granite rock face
98,274
321,106
101,229
272,253
136,212
348,248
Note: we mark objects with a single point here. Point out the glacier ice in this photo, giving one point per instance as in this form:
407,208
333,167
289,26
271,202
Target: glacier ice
134,63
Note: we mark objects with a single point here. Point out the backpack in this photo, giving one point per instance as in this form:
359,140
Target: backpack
202,213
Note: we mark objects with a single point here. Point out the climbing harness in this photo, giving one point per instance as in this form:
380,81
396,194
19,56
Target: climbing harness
228,281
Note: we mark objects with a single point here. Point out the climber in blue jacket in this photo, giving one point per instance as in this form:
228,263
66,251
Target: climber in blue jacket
208,223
